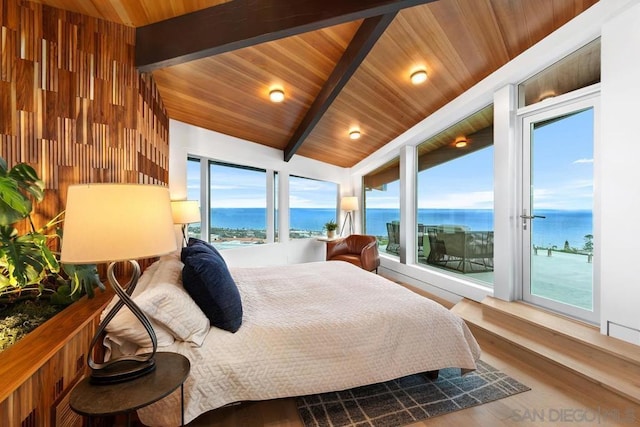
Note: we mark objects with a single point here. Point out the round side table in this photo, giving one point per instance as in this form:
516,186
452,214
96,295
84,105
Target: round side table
100,400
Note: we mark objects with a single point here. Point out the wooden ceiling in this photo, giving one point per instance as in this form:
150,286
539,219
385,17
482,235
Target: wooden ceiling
458,42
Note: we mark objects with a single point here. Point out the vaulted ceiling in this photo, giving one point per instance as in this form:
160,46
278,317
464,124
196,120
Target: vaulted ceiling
341,64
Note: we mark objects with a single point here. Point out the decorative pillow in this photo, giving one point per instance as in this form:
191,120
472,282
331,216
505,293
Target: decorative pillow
171,255
125,327
206,278
170,305
166,302
199,246
169,270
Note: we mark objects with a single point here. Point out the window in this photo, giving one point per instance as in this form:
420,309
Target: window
455,198
312,203
382,206
193,193
577,70
237,200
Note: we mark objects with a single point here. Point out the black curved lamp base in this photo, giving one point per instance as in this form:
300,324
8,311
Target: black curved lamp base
122,370
126,367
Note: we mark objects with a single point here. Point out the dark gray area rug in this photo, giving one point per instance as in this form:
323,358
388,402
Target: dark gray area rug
408,399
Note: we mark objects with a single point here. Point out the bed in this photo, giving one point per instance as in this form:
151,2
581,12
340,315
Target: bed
306,328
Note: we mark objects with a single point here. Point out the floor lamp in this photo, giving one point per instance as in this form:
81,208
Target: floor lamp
185,212
113,223
349,204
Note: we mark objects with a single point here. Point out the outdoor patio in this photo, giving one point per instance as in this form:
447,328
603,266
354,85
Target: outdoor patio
562,276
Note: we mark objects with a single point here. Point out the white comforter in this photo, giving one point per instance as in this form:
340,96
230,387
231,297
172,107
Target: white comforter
315,327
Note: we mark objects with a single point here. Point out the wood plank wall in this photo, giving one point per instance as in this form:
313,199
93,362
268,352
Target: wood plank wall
72,104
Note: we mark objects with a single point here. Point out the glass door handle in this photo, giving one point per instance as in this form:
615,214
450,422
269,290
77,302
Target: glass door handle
525,217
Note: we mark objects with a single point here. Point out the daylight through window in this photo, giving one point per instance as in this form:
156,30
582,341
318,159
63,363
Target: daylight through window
382,206
312,203
455,199
238,205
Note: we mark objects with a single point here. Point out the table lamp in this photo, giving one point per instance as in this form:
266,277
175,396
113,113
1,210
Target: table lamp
185,212
349,204
113,223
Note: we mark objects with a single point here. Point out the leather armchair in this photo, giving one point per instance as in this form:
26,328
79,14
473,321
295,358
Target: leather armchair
358,249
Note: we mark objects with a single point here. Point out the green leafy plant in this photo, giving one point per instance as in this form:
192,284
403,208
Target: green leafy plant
26,261
331,226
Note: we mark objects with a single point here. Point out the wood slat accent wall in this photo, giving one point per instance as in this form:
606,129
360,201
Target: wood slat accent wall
72,104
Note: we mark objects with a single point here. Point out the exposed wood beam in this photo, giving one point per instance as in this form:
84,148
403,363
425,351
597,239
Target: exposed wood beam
369,32
242,23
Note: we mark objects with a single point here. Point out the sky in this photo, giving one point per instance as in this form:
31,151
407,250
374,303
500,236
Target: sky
562,171
241,188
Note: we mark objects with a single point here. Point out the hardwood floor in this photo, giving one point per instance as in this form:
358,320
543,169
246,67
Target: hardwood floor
557,398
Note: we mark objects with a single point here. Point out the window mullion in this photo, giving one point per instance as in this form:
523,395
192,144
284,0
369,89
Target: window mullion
408,225
270,177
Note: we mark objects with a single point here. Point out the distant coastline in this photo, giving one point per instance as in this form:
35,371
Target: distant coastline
558,227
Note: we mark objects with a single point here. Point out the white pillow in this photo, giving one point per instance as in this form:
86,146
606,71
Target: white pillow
166,302
125,327
169,269
171,306
171,310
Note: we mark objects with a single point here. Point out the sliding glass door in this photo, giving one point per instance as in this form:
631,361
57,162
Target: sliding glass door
557,209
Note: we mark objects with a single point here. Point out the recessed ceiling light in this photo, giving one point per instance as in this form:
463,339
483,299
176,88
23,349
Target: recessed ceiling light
276,95
419,76
460,143
547,95
354,134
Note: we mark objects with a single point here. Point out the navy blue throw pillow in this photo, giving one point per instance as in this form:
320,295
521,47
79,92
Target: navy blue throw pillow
198,246
206,278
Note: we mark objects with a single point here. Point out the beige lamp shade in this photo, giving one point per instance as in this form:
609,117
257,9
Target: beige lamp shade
116,222
185,211
349,203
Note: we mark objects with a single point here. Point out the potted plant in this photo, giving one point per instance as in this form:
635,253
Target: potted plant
331,228
31,278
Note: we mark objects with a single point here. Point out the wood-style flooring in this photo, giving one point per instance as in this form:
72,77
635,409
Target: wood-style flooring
557,398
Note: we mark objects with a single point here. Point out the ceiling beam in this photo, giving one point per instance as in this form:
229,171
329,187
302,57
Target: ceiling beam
369,32
242,23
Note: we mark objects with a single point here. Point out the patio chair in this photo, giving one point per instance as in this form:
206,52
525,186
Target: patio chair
460,249
393,232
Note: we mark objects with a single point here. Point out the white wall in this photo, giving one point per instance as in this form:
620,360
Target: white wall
186,140
620,175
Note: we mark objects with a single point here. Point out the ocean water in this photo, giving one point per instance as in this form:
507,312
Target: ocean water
558,226
255,218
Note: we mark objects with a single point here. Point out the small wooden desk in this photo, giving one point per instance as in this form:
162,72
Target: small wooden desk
103,400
